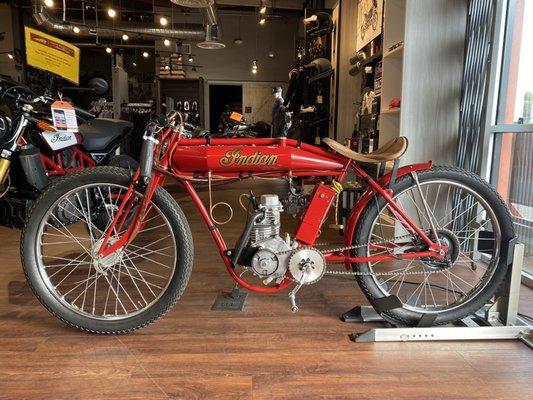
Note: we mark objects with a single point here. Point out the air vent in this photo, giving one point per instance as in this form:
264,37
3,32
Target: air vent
194,3
211,45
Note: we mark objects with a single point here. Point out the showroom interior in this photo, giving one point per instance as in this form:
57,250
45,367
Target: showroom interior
268,199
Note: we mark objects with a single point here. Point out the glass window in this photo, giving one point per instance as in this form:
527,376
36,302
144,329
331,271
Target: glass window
512,157
517,90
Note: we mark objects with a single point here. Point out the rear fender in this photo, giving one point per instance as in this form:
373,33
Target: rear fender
384,181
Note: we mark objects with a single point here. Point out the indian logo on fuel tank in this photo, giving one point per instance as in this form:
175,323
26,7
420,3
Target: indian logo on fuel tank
234,157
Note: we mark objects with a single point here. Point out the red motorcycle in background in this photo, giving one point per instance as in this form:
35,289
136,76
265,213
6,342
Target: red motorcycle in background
432,238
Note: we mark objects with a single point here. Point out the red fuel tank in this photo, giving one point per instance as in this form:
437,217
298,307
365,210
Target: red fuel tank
265,156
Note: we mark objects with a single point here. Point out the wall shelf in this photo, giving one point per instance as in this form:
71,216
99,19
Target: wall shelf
395,110
395,53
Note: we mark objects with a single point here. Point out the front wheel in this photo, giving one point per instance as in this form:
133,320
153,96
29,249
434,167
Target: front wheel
126,290
451,206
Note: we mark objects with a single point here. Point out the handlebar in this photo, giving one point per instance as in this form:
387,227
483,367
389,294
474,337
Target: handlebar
80,112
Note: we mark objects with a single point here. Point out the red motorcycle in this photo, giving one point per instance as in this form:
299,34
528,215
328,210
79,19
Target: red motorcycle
424,243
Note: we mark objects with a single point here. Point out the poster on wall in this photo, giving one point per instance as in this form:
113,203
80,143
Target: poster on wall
369,17
51,54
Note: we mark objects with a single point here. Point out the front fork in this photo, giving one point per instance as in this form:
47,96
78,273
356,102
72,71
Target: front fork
144,181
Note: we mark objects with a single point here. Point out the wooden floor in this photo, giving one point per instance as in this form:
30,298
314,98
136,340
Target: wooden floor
265,352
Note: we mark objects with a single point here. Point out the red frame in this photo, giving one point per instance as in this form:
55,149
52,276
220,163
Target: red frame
188,159
54,167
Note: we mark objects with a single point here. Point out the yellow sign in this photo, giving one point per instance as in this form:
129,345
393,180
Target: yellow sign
52,54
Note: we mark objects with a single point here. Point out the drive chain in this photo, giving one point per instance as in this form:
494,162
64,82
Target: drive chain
360,273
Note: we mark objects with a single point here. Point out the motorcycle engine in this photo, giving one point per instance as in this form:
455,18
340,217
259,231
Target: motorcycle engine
266,242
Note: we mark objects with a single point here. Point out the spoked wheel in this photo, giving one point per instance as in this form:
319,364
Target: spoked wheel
129,288
463,213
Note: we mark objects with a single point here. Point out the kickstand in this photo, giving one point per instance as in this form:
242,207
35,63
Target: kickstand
230,301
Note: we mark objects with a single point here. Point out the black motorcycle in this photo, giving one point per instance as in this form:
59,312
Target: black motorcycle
32,151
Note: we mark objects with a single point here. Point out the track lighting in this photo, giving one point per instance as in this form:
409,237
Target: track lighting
166,42
49,3
263,7
112,13
262,21
108,50
10,56
125,37
163,21
255,67
145,54
76,29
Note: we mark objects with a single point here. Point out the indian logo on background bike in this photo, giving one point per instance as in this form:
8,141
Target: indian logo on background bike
234,157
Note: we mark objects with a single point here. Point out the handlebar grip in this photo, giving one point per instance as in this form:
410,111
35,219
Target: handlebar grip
80,112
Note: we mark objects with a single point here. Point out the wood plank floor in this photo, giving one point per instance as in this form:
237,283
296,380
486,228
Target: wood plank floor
265,352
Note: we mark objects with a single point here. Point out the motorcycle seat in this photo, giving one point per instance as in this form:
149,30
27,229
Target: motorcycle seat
390,151
99,133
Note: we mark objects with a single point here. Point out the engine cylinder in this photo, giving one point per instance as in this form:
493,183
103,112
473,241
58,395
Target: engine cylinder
270,225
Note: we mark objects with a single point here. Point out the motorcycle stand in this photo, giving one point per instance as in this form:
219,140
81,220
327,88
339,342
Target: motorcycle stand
499,320
230,301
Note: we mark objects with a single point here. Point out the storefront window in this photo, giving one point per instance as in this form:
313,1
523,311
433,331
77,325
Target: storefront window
517,90
512,156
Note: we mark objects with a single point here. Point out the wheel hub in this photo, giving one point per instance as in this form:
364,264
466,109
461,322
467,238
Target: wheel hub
449,239
103,264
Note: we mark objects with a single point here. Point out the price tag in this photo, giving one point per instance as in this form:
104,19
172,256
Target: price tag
64,116
236,116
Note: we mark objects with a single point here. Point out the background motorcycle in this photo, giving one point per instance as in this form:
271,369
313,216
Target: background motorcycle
33,152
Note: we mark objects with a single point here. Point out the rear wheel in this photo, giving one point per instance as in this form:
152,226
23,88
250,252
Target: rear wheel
466,215
124,291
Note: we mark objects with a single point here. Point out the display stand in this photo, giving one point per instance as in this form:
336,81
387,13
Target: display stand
232,301
499,320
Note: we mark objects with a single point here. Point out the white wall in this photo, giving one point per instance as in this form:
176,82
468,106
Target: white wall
349,86
433,65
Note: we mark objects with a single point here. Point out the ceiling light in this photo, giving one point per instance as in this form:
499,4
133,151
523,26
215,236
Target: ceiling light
271,54
76,29
167,67
125,37
49,3
262,21
163,21
112,13
10,56
134,64
263,10
180,58
238,41
146,55
191,59
108,50
254,67
166,42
